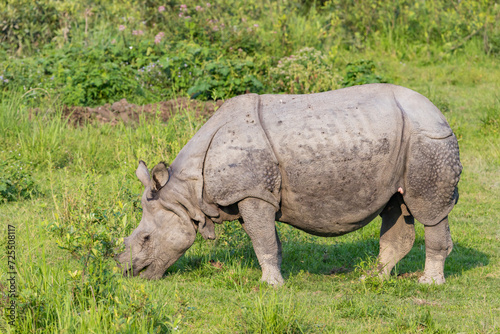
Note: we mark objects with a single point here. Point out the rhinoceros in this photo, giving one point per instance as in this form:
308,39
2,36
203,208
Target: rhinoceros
326,163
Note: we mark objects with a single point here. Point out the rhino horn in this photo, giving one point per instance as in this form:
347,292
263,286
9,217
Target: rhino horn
207,229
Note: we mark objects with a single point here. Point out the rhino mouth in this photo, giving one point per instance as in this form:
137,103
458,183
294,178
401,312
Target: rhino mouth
147,271
130,269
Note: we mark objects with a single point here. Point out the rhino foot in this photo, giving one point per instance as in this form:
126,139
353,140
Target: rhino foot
273,278
425,279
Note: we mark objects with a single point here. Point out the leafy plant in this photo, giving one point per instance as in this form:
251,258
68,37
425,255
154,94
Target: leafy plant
307,71
16,181
91,233
361,72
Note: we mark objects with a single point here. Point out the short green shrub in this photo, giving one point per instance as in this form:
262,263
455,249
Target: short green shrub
307,71
361,72
92,233
16,181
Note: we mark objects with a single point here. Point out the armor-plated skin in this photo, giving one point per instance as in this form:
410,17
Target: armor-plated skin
325,163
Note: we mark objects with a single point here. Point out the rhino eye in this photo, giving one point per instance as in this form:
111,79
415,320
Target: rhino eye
145,239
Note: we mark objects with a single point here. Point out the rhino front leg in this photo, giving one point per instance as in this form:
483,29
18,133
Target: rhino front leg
258,222
438,246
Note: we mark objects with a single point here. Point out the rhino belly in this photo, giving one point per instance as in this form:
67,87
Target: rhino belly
340,157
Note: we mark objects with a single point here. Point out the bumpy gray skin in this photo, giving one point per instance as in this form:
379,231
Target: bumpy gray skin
325,163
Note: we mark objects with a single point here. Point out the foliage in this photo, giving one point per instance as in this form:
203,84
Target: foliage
91,234
307,71
90,53
28,24
360,73
16,180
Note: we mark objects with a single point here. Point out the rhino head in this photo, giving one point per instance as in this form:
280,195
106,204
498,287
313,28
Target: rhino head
166,229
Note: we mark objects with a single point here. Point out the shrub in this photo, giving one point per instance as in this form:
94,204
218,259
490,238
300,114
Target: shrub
307,71
361,72
16,181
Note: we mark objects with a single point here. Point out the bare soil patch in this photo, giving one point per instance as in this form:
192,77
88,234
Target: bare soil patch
123,111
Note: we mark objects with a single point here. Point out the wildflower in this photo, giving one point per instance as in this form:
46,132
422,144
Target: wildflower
113,41
199,8
121,27
183,8
161,9
256,25
6,80
187,17
208,4
215,28
159,36
130,47
240,50
180,14
243,19
135,33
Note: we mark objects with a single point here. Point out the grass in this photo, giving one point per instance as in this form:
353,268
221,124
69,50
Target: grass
81,196
215,287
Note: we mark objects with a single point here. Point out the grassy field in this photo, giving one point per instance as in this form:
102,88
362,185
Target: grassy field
70,193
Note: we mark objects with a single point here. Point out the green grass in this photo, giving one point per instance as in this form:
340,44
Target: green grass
215,287
73,192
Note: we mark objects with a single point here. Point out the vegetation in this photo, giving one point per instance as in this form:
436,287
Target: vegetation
71,192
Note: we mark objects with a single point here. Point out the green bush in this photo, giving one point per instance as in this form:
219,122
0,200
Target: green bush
28,24
16,181
307,71
361,72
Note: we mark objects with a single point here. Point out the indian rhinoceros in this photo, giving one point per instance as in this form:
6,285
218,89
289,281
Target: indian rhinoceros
325,163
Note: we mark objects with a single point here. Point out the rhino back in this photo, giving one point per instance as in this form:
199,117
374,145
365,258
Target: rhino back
340,155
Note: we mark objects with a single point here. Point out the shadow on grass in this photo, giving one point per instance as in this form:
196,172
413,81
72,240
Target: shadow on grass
320,259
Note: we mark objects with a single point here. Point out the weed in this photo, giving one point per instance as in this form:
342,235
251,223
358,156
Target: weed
307,71
271,313
16,181
361,72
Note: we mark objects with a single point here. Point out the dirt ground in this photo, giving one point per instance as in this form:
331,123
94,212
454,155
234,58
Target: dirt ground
123,111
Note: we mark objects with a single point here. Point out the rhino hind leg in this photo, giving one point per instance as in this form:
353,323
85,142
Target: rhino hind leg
397,235
258,221
433,171
438,246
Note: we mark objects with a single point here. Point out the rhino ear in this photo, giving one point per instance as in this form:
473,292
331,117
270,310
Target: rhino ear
160,176
143,173
207,229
